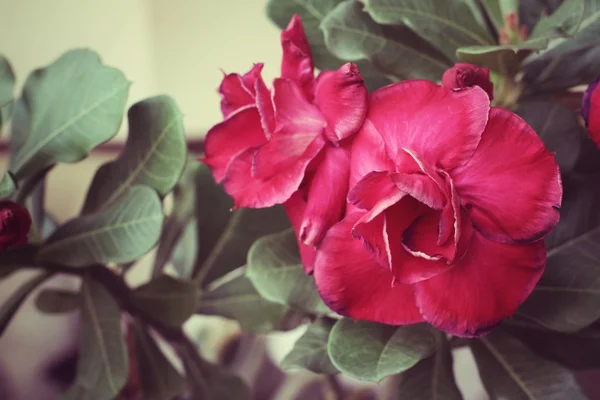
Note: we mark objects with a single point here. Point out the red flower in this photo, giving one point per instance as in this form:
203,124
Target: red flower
590,110
15,222
464,75
449,202
291,141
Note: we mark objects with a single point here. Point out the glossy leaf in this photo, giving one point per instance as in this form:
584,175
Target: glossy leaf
11,305
448,25
275,269
310,350
65,124
505,59
159,379
57,301
103,365
7,85
433,377
7,185
154,155
124,232
312,13
510,371
211,381
350,34
235,297
169,300
370,351
565,20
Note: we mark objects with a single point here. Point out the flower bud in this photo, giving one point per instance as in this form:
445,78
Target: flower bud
464,75
590,110
15,222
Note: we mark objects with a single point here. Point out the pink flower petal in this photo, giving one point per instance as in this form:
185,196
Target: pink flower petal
440,125
375,188
484,288
342,98
238,91
353,284
265,106
326,195
512,184
297,63
368,154
240,131
294,208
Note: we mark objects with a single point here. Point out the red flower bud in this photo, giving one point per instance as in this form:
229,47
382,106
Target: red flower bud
15,222
464,75
590,110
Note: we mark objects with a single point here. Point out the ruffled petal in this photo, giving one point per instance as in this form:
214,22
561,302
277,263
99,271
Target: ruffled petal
484,288
342,98
375,188
442,126
368,154
294,207
240,131
353,284
297,63
511,186
238,91
327,194
265,106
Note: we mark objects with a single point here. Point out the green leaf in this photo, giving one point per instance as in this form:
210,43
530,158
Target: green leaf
431,378
352,35
125,231
275,269
10,306
235,297
154,155
74,104
19,129
565,20
510,371
169,300
159,379
505,59
14,259
103,367
370,351
184,253
448,25
7,85
577,351
530,11
7,185
57,301
562,134
312,13
310,351
211,381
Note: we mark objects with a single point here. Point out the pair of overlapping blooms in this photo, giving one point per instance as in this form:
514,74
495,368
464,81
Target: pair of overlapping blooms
415,203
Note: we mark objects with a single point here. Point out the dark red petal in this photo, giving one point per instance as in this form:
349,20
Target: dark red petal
327,195
368,154
512,184
240,131
238,91
484,288
342,98
297,63
15,222
353,284
294,208
440,125
590,110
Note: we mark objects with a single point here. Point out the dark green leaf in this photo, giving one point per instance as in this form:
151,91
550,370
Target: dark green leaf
19,129
505,59
370,351
310,351
57,301
275,269
11,305
510,371
312,13
448,24
7,85
494,12
530,11
566,20
169,300
74,104
7,185
244,227
235,297
159,379
154,155
183,256
12,260
562,134
577,351
102,368
350,34
125,231
211,381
